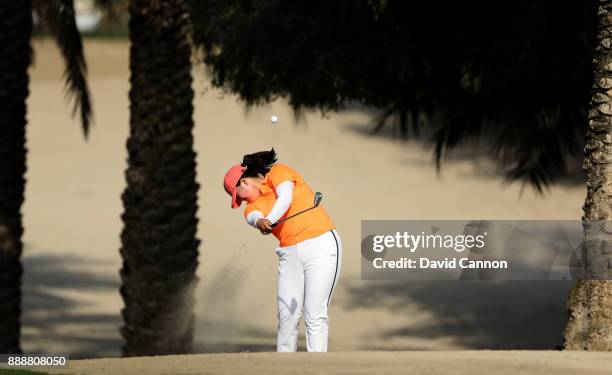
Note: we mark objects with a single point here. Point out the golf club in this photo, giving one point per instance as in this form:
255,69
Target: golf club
317,199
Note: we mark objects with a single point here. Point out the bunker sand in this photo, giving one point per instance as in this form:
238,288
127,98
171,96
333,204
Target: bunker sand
439,363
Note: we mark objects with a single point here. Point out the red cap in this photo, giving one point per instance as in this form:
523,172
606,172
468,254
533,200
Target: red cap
232,176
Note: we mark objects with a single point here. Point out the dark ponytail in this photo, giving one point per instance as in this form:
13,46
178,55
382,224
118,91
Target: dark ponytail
259,163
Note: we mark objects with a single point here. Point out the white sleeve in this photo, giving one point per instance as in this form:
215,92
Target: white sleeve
284,197
253,216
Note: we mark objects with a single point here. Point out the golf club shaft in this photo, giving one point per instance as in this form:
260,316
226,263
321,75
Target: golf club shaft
289,217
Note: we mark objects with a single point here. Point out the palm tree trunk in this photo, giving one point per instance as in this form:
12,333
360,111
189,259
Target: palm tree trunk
159,244
15,33
590,301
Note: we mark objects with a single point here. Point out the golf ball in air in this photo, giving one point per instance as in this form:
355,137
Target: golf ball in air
274,119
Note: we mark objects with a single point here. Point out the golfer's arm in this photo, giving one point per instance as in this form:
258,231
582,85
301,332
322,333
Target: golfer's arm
253,216
284,196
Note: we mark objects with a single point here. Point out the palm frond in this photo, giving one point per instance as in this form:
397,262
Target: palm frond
59,17
517,72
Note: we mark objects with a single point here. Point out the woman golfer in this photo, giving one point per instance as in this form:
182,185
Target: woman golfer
310,250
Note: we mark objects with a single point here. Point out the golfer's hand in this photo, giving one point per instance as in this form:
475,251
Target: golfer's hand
264,226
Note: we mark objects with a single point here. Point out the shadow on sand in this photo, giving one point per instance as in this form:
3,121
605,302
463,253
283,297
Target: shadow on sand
54,320
478,153
476,314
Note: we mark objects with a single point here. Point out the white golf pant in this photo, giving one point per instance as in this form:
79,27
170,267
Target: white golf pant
307,276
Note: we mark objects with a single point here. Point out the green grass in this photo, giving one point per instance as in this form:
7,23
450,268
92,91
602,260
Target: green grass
108,33
20,372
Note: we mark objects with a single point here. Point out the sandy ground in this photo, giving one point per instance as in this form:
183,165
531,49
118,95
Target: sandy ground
72,225
438,363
